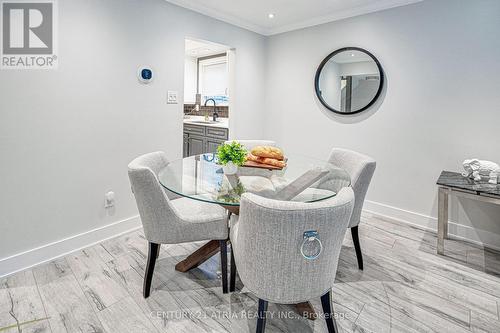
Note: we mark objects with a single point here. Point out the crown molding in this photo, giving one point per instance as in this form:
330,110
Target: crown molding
207,11
340,15
343,14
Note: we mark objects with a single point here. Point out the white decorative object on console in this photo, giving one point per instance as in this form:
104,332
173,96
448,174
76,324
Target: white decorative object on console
476,169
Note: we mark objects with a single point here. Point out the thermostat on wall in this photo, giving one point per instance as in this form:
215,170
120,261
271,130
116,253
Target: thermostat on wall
145,74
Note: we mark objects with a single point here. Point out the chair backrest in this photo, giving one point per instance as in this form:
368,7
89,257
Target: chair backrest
158,218
269,238
249,144
361,168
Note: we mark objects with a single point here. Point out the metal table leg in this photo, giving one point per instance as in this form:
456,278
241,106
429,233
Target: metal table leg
442,219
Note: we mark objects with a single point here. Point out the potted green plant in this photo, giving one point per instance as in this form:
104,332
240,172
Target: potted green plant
231,156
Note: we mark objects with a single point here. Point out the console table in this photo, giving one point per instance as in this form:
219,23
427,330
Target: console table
453,183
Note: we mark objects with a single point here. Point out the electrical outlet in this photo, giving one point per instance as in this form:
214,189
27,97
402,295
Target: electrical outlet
109,199
172,97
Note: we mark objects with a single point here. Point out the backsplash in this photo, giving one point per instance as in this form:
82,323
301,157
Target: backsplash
222,111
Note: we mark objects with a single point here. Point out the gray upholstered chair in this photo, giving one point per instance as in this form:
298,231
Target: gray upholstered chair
175,221
266,242
361,168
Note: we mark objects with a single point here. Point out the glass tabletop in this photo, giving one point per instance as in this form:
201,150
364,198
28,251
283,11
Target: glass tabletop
304,179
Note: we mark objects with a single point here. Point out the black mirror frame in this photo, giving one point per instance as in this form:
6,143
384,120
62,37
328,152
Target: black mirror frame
323,63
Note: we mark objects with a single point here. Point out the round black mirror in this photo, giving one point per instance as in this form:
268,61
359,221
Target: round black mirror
349,80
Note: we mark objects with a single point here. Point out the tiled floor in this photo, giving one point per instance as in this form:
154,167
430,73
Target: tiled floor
405,287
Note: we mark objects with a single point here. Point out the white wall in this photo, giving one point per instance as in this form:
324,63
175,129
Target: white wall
441,103
190,79
66,136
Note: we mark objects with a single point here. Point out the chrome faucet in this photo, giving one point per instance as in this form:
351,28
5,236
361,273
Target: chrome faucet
214,115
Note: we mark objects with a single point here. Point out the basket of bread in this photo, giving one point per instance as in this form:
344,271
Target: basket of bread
265,157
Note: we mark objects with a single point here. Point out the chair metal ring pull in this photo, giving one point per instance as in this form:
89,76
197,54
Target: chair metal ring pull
311,236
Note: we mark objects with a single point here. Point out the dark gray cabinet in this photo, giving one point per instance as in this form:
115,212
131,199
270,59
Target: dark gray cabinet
212,144
196,145
185,149
199,139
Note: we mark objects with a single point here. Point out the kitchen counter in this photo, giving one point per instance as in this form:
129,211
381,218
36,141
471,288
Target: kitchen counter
200,121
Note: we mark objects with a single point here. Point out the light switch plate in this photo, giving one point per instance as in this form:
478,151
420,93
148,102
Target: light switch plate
172,97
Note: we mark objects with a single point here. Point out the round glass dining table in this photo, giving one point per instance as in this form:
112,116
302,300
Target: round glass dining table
200,177
304,179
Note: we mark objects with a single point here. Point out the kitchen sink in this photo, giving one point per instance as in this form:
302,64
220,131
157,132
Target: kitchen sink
204,122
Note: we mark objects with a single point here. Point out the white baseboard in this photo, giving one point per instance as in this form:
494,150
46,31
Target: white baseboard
457,231
51,251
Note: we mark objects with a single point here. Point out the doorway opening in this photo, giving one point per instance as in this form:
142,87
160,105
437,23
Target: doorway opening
207,96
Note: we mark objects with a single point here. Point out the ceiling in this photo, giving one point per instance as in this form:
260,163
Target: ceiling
288,14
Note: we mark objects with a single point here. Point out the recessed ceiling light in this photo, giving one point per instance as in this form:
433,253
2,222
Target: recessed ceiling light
270,15
352,54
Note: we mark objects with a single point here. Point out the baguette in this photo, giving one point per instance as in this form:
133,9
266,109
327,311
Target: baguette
266,160
268,151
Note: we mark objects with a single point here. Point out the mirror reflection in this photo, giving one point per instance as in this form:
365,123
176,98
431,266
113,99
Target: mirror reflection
349,81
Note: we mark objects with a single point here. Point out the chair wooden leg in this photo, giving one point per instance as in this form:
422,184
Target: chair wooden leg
232,275
326,302
154,249
223,263
261,316
357,246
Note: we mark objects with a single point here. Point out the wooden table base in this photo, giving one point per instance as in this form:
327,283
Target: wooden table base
306,310
211,248
199,256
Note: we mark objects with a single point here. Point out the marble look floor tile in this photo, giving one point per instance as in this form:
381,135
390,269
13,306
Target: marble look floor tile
386,238
483,324
125,316
450,270
418,316
405,287
21,304
388,268
66,305
134,242
96,279
377,319
486,260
